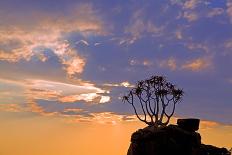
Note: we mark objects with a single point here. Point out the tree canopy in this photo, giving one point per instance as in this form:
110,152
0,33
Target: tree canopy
154,100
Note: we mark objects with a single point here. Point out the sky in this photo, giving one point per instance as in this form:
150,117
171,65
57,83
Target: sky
66,64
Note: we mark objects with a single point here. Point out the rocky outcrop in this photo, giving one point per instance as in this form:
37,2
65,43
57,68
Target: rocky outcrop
212,150
178,139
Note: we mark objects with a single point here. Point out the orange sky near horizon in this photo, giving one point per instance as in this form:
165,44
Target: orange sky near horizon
40,135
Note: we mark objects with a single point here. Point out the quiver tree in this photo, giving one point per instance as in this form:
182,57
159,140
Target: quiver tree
154,100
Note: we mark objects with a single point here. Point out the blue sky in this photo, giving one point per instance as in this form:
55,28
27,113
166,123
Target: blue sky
76,57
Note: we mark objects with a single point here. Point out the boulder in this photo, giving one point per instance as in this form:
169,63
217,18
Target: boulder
189,124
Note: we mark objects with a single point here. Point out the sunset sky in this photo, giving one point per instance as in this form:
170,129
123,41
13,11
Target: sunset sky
65,64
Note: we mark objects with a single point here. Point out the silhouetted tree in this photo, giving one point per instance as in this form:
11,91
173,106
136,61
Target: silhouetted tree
155,98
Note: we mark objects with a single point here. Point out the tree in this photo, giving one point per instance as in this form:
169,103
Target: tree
156,99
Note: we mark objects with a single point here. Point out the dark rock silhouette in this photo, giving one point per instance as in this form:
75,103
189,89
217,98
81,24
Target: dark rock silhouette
178,139
209,149
190,124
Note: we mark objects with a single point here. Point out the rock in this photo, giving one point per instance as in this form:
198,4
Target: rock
172,140
164,141
212,150
189,124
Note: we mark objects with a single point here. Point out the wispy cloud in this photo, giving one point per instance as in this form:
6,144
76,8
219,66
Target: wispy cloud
215,12
194,65
170,63
122,84
64,92
102,118
191,4
188,8
11,107
228,44
197,64
137,62
140,26
190,16
82,42
179,34
208,124
197,46
229,9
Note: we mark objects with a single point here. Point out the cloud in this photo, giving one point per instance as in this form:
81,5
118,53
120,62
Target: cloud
34,107
192,10
186,4
177,64
178,34
114,118
37,89
106,117
228,44
169,63
82,42
33,45
215,12
138,27
104,99
97,44
204,125
69,115
196,46
73,110
102,118
192,65
72,62
64,92
190,16
11,107
191,4
122,84
229,9
11,81
22,42
188,8
230,81
197,64
90,97
11,92
135,62
34,91
147,63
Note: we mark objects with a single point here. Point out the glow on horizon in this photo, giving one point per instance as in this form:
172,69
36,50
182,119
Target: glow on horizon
54,136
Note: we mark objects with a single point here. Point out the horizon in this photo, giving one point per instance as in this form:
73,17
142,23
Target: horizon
66,64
